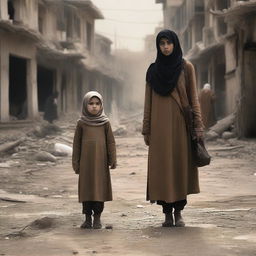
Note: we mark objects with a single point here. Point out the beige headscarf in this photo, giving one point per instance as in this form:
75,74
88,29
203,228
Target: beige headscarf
207,86
86,117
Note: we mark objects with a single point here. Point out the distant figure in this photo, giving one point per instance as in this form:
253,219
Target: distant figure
50,110
94,152
207,100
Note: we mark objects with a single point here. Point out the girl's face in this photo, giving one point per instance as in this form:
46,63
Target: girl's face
94,106
166,46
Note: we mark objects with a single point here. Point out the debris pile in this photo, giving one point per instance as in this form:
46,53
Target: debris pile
223,129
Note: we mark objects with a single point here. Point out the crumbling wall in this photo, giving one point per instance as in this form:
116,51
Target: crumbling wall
12,44
232,74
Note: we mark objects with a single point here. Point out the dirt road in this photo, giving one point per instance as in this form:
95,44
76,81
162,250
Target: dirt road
219,221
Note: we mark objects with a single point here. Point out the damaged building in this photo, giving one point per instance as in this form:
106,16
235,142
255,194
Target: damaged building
47,46
219,38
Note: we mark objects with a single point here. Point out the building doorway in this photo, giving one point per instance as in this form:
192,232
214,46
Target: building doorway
45,85
247,110
17,88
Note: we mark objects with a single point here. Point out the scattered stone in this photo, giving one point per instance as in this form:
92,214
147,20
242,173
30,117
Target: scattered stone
140,206
46,129
108,226
63,149
5,165
123,215
7,199
120,131
10,145
75,252
132,173
17,234
211,135
57,196
223,124
45,156
228,135
43,223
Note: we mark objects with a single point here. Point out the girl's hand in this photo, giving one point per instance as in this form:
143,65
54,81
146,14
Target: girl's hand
147,139
199,135
113,166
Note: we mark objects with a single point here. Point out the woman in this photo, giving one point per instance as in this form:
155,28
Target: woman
171,85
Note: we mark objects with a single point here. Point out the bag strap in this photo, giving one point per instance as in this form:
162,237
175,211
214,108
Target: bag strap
186,81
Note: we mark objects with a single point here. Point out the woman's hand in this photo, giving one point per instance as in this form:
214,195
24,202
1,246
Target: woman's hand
113,166
147,139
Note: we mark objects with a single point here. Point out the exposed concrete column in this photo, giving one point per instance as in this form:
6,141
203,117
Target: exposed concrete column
3,10
71,90
85,81
58,87
32,96
4,82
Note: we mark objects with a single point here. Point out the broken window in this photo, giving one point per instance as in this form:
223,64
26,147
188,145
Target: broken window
222,4
45,85
77,26
61,22
11,10
69,22
17,87
41,18
222,26
199,5
89,35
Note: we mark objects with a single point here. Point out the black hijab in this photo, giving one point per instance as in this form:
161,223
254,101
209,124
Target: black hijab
163,74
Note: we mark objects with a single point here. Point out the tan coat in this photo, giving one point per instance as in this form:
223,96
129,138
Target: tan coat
93,151
171,172
206,99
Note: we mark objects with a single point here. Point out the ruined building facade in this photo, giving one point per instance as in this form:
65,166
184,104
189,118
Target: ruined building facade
219,37
47,46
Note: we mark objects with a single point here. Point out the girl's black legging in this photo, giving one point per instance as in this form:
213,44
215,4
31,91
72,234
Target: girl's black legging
178,205
90,207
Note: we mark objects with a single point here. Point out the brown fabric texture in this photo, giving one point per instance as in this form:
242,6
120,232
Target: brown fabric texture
207,99
172,175
93,151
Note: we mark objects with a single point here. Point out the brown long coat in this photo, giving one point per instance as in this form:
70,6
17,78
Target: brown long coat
171,172
93,151
206,99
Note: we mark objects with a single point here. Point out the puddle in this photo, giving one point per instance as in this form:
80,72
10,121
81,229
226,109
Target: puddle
224,210
73,196
19,197
45,213
249,237
202,225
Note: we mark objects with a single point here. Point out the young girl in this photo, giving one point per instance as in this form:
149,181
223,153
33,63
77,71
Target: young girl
172,175
93,152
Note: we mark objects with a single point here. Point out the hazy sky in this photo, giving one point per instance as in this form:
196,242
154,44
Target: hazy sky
127,22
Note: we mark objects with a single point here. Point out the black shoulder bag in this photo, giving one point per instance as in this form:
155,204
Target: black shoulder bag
200,155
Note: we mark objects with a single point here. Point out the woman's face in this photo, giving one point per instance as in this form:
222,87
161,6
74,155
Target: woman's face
166,46
94,106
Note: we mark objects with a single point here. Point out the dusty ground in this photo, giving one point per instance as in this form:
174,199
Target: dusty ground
221,220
